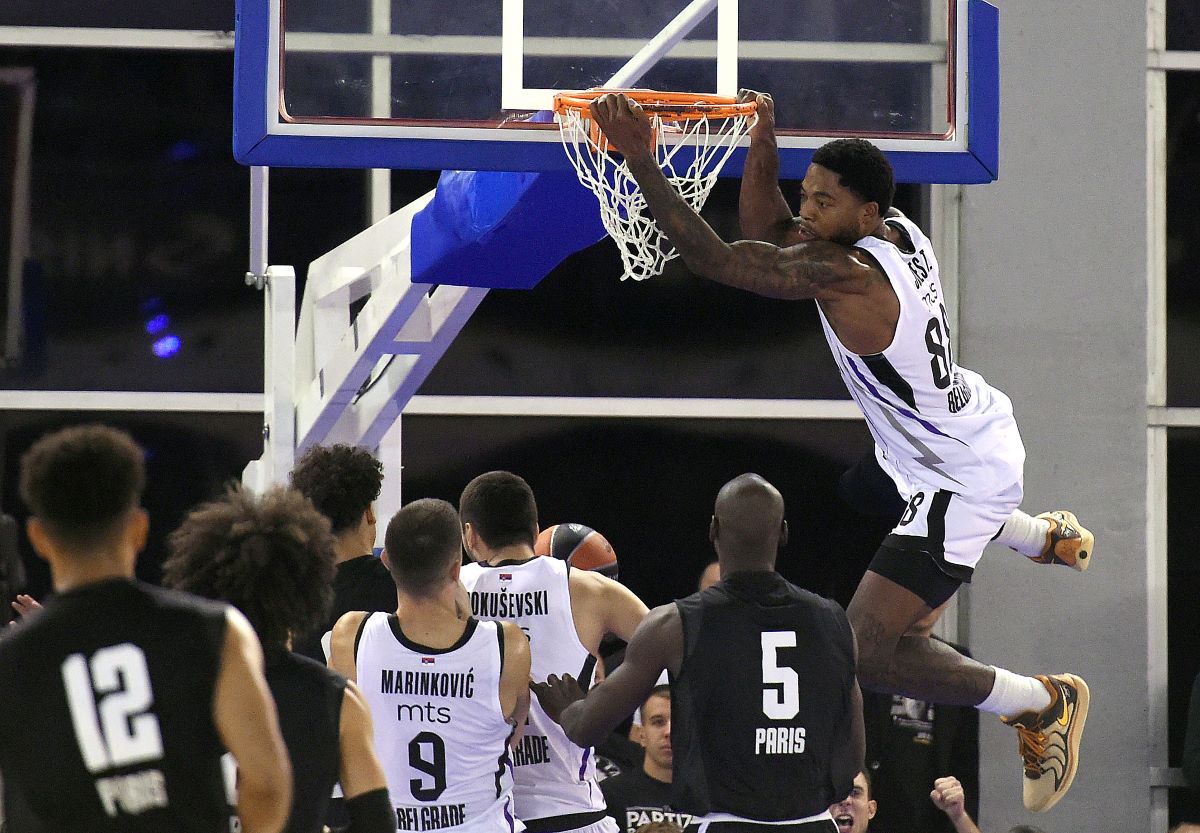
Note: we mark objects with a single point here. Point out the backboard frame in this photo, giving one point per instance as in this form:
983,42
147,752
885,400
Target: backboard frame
264,135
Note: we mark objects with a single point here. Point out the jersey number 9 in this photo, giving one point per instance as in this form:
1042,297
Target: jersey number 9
432,764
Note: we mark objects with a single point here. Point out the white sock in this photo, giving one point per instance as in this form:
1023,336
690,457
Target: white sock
1013,694
1024,533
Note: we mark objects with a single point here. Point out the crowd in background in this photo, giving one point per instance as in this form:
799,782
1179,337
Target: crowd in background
297,560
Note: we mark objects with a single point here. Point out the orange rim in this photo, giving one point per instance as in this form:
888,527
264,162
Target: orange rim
678,106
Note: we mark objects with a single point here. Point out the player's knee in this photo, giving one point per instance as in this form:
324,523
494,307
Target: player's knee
924,626
875,649
873,669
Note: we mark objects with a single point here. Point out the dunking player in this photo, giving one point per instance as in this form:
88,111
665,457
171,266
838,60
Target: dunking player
566,613
945,437
766,716
273,558
119,699
448,692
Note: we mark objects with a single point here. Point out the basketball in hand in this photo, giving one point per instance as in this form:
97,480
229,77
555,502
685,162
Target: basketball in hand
580,546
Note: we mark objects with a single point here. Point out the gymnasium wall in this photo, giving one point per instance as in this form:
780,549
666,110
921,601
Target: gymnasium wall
1052,310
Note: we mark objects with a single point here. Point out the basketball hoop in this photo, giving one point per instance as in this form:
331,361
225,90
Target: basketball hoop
709,124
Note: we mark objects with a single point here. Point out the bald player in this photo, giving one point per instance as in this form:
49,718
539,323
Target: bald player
755,750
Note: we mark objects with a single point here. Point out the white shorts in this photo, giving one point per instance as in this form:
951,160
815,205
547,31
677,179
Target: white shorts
951,528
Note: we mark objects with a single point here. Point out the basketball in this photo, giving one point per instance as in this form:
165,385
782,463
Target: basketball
580,546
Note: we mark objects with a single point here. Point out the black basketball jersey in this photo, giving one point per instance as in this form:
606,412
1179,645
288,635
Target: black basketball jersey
761,701
308,697
106,711
362,583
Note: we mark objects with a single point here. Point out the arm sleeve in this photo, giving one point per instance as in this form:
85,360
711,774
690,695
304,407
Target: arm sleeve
370,812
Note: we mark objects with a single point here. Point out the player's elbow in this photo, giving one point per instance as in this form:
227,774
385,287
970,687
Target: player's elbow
585,739
265,797
578,731
715,262
874,668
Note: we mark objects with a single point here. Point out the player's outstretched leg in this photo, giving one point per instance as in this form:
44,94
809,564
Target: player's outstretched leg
896,655
1049,740
1050,538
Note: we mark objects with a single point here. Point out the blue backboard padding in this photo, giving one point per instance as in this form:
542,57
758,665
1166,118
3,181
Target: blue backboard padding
254,144
983,96
250,41
501,230
907,165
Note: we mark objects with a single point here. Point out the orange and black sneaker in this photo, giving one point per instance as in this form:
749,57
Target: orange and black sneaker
1049,741
1068,542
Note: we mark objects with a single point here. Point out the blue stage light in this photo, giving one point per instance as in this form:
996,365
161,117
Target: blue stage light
166,346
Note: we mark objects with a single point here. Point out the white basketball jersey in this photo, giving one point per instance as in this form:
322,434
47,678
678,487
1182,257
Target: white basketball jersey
440,733
935,424
554,777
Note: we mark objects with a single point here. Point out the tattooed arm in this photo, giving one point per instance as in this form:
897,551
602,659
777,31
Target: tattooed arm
762,211
805,270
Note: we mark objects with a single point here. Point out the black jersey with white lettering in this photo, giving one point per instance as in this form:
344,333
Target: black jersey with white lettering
635,799
762,700
308,697
106,711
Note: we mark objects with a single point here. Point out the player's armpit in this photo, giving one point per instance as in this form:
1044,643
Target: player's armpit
514,679
361,771
341,644
244,714
602,606
623,611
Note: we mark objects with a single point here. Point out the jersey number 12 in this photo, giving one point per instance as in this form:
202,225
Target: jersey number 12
781,703
110,699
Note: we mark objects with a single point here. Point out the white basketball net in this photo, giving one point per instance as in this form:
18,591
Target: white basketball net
645,250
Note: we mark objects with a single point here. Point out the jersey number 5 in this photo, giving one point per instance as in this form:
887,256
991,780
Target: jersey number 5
110,699
782,703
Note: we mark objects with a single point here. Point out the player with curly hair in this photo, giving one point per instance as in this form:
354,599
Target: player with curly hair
273,558
120,698
343,483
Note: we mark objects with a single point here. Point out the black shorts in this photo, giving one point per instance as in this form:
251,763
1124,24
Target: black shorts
920,566
867,488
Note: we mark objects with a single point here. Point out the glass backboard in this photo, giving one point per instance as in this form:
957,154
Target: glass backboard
464,85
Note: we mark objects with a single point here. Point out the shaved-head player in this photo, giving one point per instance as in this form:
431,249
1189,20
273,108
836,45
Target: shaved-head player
566,613
448,692
945,437
766,715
